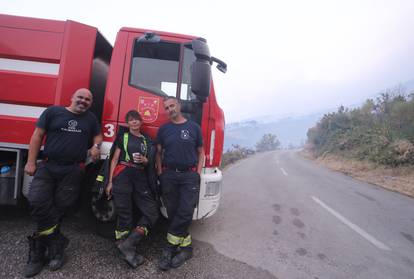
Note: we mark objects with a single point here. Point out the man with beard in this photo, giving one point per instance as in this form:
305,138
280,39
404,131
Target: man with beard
180,158
56,184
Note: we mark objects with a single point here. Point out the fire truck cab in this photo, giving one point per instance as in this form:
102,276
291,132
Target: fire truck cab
42,62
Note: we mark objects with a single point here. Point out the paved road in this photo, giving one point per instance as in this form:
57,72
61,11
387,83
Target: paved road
285,214
92,256
281,216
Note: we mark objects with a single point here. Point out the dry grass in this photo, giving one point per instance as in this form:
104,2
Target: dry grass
399,179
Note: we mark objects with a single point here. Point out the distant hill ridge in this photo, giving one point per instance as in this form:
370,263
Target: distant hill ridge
291,131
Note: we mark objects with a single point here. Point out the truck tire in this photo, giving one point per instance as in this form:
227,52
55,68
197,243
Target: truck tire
100,210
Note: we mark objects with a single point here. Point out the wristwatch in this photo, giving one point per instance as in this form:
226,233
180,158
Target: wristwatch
97,145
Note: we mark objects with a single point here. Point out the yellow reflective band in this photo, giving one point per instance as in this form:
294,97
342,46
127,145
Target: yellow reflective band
126,147
174,240
100,178
120,234
145,230
186,241
48,231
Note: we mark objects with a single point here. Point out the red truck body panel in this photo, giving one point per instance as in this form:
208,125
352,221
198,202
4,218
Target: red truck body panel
42,62
66,47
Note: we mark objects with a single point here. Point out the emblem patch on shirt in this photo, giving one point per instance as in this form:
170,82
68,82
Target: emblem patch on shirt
72,124
185,134
148,107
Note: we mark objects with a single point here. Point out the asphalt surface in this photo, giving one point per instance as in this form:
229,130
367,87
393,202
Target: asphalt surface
281,216
91,256
285,214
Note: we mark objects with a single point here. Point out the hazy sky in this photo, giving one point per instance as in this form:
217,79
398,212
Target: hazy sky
289,57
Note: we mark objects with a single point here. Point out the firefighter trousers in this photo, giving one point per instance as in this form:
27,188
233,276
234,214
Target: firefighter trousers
180,191
130,187
54,191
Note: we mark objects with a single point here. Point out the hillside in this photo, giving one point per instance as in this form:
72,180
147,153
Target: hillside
290,131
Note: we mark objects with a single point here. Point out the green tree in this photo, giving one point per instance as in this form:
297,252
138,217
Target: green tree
267,142
381,130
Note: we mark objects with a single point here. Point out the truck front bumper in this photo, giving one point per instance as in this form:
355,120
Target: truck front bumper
210,194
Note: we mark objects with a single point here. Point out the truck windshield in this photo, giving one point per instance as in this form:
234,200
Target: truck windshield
155,67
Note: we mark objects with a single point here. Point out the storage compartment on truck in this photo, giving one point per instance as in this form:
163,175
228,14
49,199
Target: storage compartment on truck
10,175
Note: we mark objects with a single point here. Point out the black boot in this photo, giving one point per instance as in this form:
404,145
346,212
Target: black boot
128,249
166,256
37,250
185,254
57,243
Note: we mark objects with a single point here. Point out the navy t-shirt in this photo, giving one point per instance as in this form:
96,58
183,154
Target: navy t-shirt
135,145
68,135
180,143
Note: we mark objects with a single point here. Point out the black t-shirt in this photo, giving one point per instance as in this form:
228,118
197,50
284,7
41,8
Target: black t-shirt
135,145
68,135
180,143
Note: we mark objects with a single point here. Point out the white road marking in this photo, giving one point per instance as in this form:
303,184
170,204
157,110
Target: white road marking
283,171
354,227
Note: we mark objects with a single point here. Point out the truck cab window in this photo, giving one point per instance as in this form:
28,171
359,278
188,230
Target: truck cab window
189,58
155,67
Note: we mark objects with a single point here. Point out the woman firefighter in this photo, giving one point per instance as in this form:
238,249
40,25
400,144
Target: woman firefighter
128,184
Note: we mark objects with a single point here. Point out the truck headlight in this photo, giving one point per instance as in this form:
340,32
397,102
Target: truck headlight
212,188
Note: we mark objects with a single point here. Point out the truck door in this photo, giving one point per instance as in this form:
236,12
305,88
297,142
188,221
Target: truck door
157,70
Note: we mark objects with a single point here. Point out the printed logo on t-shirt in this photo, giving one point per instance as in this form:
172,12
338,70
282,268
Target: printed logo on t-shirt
72,124
185,134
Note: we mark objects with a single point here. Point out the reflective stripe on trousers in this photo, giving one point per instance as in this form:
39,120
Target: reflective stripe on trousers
179,240
120,234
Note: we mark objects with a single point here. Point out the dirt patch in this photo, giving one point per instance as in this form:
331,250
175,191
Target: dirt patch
400,179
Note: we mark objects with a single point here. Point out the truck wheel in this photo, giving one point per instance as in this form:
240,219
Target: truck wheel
101,212
102,209
104,213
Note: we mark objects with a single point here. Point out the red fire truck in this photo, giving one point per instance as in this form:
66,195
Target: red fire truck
42,62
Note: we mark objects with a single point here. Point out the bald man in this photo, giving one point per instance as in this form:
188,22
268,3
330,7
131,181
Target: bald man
69,131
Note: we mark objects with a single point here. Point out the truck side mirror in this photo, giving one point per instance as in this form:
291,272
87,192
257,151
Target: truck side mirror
221,66
201,69
201,79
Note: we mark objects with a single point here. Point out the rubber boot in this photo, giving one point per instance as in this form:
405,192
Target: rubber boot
166,257
185,254
36,260
128,249
57,243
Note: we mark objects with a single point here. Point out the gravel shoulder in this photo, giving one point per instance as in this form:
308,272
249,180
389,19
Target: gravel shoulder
92,256
399,179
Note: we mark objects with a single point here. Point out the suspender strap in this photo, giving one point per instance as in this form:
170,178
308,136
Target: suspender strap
145,144
127,159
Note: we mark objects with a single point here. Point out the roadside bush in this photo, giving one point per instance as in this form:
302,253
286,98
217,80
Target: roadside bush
234,154
381,131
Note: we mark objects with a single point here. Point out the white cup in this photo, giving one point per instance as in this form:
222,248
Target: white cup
135,156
